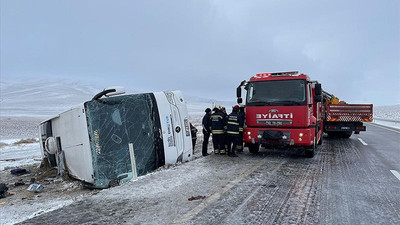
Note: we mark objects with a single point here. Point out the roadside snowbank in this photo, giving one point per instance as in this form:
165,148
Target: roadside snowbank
393,124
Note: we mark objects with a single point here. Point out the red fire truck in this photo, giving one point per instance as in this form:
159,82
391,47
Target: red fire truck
288,110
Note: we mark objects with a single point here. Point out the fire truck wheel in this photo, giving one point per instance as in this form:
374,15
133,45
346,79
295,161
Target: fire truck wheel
253,148
310,151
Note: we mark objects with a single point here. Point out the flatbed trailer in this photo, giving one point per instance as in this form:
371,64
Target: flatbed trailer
341,120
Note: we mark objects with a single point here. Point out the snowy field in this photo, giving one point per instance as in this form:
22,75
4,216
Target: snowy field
387,116
391,112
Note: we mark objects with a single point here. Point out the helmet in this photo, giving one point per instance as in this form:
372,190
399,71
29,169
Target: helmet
236,107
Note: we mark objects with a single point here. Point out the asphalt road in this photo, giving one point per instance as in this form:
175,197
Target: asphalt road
349,181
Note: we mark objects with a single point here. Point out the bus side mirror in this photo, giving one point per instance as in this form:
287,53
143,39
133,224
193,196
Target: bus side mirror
318,89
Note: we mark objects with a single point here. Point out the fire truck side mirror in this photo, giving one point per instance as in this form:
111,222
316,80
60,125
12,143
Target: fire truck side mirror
239,92
318,89
318,98
239,100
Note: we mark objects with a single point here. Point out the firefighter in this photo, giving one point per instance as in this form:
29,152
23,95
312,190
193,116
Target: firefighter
233,126
206,131
239,147
223,110
217,129
193,131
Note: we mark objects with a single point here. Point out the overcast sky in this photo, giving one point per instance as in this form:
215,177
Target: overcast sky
205,48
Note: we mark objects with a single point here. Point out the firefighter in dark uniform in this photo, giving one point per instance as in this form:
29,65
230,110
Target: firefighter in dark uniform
239,147
225,150
233,126
218,123
193,131
206,131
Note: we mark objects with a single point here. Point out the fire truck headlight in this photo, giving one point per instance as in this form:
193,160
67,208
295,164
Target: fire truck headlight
301,135
259,136
300,139
248,133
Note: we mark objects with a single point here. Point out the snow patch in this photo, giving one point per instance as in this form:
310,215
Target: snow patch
12,155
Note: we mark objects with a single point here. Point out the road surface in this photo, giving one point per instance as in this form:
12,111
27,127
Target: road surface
349,181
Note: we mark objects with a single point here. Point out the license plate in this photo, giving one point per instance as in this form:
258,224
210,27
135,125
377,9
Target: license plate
274,123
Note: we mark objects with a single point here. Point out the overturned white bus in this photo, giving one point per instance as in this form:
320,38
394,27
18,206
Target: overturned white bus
108,141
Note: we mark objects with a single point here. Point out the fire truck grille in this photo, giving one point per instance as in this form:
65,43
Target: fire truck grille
285,133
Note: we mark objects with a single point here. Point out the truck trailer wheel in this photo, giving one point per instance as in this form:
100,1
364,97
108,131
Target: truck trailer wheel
310,151
332,134
346,134
253,148
339,134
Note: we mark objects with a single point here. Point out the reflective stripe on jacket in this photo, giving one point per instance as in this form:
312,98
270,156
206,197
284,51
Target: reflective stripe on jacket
234,123
218,122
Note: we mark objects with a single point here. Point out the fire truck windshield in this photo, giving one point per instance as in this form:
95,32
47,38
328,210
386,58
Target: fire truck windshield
276,92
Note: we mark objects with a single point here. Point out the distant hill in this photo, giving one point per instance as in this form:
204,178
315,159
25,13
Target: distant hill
42,98
47,98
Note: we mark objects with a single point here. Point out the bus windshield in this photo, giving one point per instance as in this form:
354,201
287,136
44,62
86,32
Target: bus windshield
276,92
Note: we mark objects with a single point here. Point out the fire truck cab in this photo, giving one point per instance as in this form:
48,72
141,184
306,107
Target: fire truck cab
282,110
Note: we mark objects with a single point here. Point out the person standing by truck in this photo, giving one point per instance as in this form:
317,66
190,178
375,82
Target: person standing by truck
235,122
206,131
223,110
218,122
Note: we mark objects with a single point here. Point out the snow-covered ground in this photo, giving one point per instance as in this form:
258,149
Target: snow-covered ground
13,154
387,112
387,115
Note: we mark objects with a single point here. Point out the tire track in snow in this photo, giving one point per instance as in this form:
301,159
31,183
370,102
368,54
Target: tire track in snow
194,212
289,202
300,200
